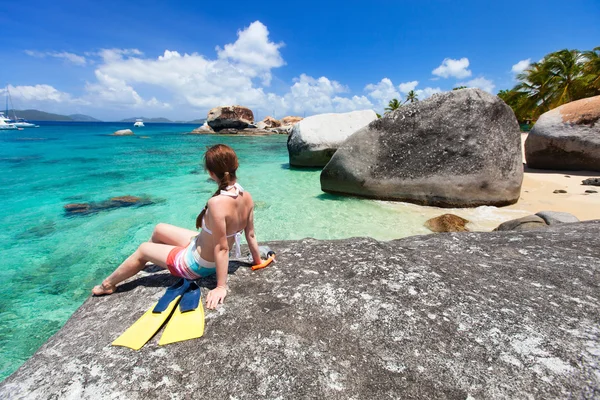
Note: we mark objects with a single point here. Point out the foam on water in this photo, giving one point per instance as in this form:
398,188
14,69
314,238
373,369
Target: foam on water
51,261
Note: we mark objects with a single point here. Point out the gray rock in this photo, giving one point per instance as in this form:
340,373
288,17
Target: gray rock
591,191
457,149
503,315
229,117
314,139
559,191
528,223
591,181
204,129
566,138
556,217
123,132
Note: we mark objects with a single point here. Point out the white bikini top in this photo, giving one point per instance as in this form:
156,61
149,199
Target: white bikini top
238,235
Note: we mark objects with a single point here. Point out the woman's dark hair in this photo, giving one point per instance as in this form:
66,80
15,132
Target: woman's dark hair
222,161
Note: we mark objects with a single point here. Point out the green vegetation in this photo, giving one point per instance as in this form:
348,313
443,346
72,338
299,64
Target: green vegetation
411,97
559,78
394,104
459,87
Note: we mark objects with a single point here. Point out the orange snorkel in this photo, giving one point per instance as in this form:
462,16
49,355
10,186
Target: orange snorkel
269,260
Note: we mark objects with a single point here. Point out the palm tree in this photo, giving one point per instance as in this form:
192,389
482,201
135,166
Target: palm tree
394,104
535,87
566,67
411,96
591,68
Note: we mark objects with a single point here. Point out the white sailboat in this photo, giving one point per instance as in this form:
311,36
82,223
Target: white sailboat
5,125
16,121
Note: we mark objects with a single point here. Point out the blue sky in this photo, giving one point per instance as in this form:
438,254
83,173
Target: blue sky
282,58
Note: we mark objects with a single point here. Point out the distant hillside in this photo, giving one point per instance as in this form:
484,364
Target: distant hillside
197,121
37,115
83,118
156,120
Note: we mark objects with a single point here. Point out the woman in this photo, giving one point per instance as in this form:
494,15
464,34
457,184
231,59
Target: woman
190,255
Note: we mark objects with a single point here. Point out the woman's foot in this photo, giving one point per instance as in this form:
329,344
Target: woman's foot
103,289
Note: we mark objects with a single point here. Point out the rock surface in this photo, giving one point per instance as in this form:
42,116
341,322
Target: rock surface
229,117
447,223
456,149
528,223
557,217
566,138
204,129
591,181
502,315
271,122
290,120
123,132
314,139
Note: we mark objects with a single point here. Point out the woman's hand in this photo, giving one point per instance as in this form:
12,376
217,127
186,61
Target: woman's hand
215,297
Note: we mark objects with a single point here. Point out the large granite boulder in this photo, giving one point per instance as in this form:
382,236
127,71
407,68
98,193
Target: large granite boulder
271,122
291,120
456,149
229,117
503,315
566,138
314,139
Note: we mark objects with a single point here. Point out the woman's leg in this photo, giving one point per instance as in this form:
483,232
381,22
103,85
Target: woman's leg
171,234
154,252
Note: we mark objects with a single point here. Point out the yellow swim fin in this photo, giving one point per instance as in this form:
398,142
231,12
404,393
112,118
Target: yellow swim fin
187,321
138,334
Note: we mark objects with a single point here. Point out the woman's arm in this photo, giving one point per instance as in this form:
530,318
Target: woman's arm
216,217
251,237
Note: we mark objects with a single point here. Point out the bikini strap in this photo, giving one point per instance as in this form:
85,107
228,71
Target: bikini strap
238,189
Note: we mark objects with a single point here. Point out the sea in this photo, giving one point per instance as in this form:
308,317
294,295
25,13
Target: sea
52,259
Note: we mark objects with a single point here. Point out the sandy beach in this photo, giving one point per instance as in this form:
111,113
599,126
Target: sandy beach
539,185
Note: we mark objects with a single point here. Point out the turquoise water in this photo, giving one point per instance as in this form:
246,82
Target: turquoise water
51,261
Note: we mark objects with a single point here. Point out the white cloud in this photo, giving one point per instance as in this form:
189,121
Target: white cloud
70,57
427,92
382,92
408,86
37,93
521,66
453,68
481,83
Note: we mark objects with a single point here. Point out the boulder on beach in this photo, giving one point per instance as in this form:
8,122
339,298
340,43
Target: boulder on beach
290,120
591,181
271,122
229,117
469,315
204,129
557,217
456,149
123,132
447,223
528,223
314,139
566,138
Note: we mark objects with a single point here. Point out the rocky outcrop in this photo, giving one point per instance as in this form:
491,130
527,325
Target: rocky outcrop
566,138
503,315
540,220
591,181
314,139
246,132
229,117
456,149
447,223
112,203
123,132
204,129
290,120
271,122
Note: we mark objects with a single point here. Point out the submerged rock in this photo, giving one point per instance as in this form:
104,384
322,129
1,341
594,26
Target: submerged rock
229,117
114,202
566,138
456,149
447,223
500,315
315,139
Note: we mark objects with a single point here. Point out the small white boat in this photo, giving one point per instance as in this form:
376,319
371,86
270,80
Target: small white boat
5,125
139,123
23,123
